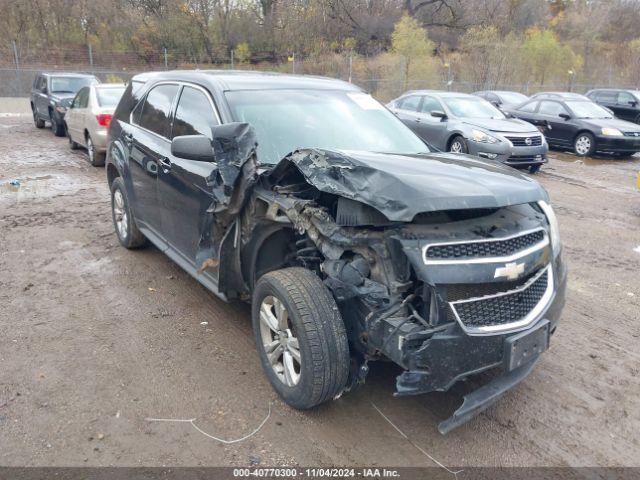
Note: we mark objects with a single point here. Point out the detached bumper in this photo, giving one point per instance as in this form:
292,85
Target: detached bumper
618,144
452,355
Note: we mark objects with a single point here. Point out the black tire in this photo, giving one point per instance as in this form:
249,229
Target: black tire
584,145
95,158
458,140
637,120
38,122
72,145
316,323
533,169
57,127
129,237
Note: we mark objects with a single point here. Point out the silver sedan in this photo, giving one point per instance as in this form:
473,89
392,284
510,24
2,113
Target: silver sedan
87,120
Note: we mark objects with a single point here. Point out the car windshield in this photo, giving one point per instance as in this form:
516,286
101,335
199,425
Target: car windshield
582,109
109,96
69,84
286,120
468,107
513,98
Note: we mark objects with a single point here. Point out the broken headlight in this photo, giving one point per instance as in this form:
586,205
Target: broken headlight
554,231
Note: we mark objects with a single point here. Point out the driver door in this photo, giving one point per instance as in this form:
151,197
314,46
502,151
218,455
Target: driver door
432,129
184,189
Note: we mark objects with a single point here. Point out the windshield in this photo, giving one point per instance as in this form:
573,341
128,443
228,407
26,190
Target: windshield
467,107
109,96
286,120
587,110
513,98
69,84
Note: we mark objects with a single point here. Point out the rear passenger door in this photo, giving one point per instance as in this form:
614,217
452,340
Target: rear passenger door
184,188
75,117
626,106
432,129
407,110
150,148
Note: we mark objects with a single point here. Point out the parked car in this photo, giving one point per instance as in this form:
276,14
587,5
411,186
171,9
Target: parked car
88,117
461,123
51,95
559,95
580,125
625,104
353,242
503,99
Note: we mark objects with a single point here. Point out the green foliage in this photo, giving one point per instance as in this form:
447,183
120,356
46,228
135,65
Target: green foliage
546,57
242,53
410,41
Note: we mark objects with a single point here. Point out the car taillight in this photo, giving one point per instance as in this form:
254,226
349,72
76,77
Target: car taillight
104,119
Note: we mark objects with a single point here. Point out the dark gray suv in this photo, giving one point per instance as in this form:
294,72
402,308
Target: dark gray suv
51,96
461,123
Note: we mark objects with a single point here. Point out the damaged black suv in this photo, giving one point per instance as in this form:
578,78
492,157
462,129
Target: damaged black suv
352,241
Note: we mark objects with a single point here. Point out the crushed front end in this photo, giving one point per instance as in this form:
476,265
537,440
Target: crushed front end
451,293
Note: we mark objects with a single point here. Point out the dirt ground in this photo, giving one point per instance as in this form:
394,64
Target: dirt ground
95,340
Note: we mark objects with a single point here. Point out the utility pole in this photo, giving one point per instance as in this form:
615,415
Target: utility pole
350,65
166,64
232,59
15,57
91,56
293,62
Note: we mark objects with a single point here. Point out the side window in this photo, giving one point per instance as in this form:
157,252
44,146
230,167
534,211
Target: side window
551,109
156,110
410,103
529,107
625,98
607,97
82,98
194,115
430,104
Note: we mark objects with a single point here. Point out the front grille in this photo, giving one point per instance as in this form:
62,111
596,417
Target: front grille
536,141
484,248
525,158
503,308
463,291
632,134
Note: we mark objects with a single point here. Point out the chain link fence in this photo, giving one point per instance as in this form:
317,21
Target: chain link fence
17,71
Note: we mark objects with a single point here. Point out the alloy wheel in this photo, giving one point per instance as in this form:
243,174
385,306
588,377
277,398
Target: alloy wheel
279,341
456,147
583,145
90,149
120,214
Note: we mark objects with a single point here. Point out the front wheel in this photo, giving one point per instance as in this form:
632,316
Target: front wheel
123,221
533,169
300,336
57,127
584,145
458,145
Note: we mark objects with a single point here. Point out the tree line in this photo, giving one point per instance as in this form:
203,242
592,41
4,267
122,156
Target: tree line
387,44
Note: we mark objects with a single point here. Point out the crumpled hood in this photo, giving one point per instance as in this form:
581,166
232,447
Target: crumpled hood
401,186
507,125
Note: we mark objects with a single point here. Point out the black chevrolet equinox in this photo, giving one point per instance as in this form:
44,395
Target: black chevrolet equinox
351,240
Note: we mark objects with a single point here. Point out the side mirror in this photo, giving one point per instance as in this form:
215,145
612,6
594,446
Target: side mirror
566,116
193,147
633,103
44,89
438,114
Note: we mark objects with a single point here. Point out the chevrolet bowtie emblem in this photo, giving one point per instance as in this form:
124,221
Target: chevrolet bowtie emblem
510,270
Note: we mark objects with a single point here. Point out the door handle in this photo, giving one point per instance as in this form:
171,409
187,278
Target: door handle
165,163
418,120
128,137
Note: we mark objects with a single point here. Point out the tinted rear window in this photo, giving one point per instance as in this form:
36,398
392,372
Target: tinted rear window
157,108
109,96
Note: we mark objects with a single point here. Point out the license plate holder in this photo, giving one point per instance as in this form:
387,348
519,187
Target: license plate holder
523,347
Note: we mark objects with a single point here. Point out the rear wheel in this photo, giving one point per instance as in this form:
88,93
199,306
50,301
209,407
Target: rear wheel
534,169
123,221
300,337
95,158
584,144
458,145
38,122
